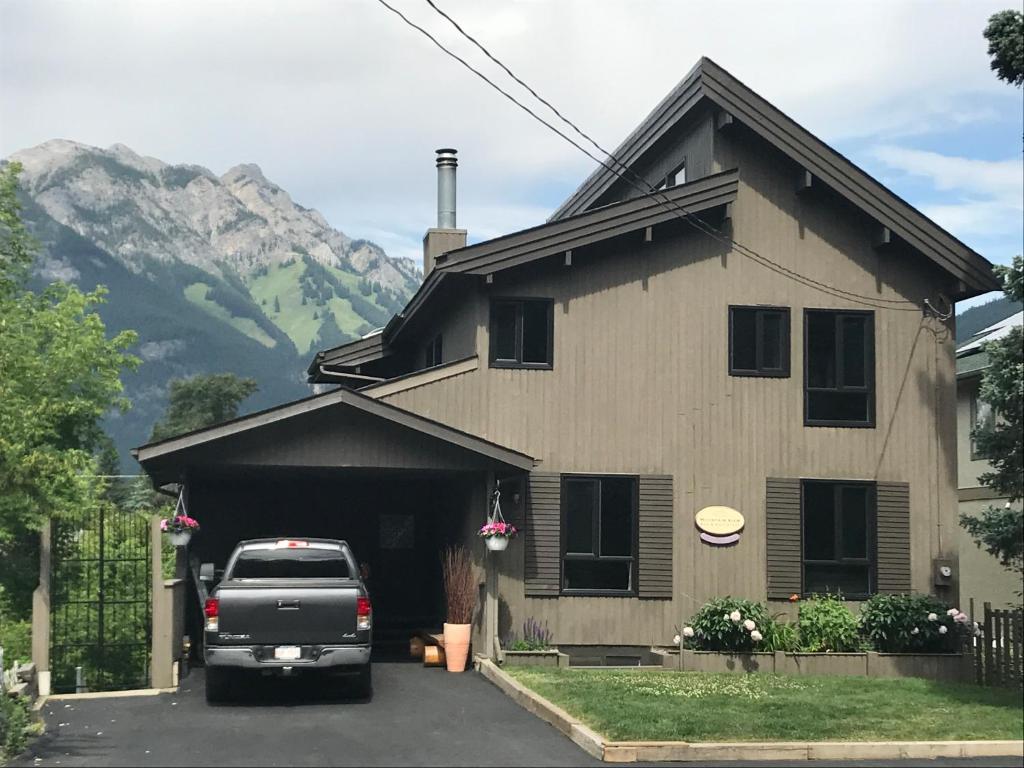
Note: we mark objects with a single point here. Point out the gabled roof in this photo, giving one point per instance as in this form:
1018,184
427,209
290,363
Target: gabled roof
709,83
971,358
163,458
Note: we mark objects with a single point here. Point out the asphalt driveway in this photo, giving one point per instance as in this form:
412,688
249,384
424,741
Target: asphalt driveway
417,716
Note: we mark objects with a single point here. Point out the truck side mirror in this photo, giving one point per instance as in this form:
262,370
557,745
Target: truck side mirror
206,573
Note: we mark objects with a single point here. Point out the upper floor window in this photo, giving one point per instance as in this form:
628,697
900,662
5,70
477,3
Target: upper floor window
599,531
677,177
434,354
522,333
982,416
759,341
839,368
838,538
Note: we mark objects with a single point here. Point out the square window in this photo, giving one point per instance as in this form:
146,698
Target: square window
759,341
521,333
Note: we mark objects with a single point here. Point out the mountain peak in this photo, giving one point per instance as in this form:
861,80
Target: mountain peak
247,171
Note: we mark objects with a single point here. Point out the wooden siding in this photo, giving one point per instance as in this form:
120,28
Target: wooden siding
640,385
893,531
543,566
656,534
783,537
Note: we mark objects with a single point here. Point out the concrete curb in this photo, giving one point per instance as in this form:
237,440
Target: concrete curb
682,751
110,694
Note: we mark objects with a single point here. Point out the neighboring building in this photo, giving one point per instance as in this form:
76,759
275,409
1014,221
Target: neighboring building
982,577
762,334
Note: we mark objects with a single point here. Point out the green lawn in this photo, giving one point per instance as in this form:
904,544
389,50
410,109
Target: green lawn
626,705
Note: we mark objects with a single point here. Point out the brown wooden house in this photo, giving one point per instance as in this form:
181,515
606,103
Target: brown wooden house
768,330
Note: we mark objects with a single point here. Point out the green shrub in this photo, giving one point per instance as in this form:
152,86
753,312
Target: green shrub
716,626
536,637
826,624
14,722
16,640
779,636
912,624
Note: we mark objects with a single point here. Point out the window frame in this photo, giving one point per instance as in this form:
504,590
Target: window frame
634,559
975,404
434,353
870,386
519,301
784,342
871,525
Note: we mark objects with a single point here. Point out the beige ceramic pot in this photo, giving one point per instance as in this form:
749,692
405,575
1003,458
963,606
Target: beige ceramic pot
456,646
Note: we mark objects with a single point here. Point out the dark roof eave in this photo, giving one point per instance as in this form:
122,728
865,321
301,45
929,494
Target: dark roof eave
162,449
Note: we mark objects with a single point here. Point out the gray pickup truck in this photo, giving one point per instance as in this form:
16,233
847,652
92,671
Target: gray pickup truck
286,606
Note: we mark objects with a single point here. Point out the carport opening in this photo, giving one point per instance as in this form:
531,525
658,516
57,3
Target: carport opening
396,522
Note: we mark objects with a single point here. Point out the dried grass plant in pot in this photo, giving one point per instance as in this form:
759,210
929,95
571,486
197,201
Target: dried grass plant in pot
460,599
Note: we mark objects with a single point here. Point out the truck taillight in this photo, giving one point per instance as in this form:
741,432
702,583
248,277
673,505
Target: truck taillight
363,611
212,610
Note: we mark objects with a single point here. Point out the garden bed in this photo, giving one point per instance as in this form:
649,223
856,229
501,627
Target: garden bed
551,657
945,667
643,705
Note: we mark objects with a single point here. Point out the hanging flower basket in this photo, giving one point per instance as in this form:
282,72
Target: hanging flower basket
496,533
179,527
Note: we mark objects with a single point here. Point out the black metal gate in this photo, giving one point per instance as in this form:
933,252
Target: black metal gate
100,603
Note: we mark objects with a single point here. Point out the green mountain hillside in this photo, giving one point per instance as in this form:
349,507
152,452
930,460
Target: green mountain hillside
216,274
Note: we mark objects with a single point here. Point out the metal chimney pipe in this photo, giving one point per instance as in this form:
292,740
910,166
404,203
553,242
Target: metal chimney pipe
447,162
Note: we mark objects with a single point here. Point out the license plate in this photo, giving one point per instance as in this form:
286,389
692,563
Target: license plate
287,652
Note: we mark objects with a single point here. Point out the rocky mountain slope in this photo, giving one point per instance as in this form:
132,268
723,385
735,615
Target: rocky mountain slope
216,273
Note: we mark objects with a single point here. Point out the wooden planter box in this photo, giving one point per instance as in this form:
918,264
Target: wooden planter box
947,667
548,658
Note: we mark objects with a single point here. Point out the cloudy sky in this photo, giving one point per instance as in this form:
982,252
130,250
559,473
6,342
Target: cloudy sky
342,104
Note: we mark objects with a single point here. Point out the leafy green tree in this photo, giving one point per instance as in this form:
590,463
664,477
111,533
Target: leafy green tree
201,401
1005,35
1000,530
60,376
277,306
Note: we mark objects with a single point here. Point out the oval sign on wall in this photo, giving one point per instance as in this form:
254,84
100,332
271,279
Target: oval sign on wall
720,521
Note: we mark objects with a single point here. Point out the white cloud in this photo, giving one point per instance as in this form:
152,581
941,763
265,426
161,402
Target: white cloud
999,178
343,105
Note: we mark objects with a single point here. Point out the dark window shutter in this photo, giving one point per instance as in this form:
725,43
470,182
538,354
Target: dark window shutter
782,519
893,550
655,550
542,532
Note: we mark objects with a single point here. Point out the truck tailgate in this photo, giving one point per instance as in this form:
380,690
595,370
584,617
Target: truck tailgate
298,613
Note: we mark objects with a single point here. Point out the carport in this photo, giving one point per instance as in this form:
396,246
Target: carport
397,486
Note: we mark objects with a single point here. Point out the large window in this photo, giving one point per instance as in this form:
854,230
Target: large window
599,531
521,333
839,368
838,538
759,341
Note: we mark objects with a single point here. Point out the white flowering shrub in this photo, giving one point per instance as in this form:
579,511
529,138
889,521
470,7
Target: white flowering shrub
738,626
914,624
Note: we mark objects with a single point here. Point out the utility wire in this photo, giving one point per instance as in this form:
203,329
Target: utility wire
872,301
702,225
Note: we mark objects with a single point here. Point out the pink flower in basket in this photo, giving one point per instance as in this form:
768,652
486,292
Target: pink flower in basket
179,524
498,528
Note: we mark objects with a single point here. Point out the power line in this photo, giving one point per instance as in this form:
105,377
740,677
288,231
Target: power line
650,189
871,301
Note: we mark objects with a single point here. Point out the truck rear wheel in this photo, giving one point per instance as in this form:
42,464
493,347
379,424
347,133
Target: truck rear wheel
218,683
